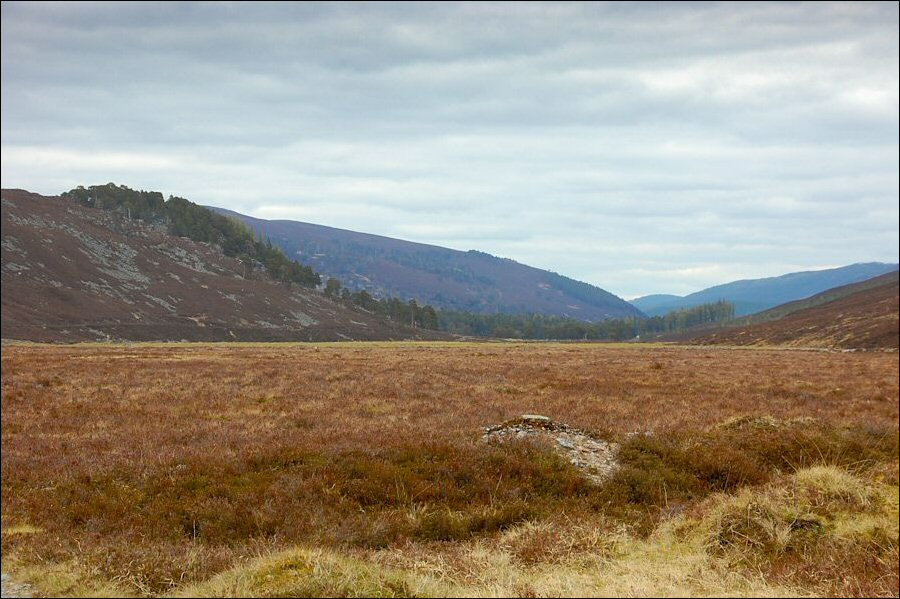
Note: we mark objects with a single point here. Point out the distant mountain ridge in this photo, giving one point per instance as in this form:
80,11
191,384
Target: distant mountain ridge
829,295
649,303
450,279
755,295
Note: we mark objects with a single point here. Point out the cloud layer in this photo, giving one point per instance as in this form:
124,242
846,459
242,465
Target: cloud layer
641,147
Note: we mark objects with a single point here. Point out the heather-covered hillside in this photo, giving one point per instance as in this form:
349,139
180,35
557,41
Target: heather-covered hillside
72,273
444,278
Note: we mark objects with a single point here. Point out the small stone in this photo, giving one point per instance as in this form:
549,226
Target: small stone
565,443
535,419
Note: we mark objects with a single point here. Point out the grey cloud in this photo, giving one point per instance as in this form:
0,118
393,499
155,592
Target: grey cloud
737,138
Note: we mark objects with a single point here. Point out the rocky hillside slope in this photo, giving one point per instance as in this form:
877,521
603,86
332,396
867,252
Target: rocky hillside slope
74,273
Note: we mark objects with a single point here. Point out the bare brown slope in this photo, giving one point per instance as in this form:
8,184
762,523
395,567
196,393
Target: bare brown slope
867,319
71,273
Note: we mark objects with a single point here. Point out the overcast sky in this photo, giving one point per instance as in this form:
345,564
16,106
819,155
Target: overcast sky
643,148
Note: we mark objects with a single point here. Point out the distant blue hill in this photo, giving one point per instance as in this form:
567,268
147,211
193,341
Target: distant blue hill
754,295
649,303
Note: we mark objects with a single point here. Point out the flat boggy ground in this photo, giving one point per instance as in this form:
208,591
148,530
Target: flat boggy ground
223,451
152,403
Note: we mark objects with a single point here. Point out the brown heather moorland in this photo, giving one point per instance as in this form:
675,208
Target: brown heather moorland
865,319
357,470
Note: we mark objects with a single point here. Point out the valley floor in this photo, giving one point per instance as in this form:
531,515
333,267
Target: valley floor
359,469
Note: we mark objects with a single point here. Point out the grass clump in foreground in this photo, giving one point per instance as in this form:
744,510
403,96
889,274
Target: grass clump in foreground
752,506
666,474
760,541
822,528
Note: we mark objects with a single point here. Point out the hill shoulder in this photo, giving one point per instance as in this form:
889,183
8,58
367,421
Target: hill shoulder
76,273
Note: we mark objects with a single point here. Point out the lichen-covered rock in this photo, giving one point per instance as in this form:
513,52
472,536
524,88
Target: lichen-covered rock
594,456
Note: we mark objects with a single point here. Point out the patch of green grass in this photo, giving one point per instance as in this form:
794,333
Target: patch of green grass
309,573
21,529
